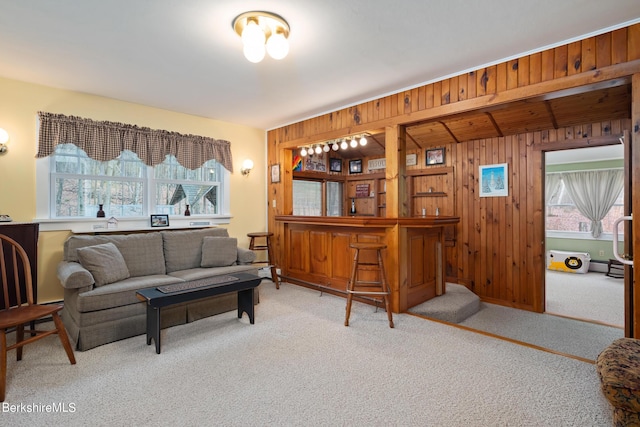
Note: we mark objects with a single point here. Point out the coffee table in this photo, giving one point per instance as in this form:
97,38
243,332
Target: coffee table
165,296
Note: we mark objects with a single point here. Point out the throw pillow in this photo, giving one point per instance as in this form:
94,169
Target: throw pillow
219,251
104,262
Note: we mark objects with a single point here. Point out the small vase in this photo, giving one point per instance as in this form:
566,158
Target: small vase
100,212
187,212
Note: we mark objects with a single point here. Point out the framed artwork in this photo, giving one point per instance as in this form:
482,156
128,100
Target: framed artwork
435,156
335,165
158,220
316,162
494,180
355,166
275,173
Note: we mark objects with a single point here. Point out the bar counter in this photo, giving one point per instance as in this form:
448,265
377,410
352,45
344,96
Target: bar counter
314,251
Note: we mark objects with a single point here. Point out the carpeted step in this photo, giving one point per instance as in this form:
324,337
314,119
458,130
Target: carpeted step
454,306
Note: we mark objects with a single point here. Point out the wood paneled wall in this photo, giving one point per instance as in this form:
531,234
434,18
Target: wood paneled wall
499,242
499,249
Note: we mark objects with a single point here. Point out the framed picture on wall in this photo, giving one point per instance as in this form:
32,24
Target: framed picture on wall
275,173
494,180
435,156
355,166
335,165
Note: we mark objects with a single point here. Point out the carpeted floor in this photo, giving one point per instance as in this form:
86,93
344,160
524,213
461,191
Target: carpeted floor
299,366
591,296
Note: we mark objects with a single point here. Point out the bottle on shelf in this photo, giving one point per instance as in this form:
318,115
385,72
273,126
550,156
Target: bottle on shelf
187,212
100,213
352,211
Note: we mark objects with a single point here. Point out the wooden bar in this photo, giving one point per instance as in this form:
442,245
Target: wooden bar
317,253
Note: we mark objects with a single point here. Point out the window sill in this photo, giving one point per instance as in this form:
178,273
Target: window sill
99,225
577,235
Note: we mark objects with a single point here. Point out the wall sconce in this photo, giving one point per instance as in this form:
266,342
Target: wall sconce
262,32
4,138
247,165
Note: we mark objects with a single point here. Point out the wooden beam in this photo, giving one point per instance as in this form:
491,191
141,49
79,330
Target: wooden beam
611,76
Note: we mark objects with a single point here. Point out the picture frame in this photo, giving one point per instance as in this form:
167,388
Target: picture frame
335,164
159,220
355,166
434,156
275,173
494,180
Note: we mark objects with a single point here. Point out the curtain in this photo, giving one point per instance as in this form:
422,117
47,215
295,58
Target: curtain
551,184
105,141
594,192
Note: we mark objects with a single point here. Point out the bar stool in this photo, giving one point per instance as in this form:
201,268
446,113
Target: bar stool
378,288
266,246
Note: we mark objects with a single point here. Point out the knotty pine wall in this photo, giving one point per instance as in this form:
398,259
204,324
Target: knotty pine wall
499,250
501,269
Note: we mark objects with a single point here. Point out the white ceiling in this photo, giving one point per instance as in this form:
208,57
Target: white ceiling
184,56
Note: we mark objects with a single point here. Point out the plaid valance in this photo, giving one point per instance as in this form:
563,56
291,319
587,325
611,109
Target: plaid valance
104,141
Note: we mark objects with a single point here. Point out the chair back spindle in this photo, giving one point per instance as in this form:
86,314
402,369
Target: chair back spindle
19,263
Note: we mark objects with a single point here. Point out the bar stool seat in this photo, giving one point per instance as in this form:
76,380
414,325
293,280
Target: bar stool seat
265,245
377,288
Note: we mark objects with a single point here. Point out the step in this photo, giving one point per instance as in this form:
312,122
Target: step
455,305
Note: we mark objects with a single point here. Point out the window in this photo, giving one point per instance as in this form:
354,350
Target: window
127,188
308,198
562,214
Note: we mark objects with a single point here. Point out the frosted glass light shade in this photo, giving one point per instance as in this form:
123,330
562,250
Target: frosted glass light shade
4,136
254,53
253,34
277,46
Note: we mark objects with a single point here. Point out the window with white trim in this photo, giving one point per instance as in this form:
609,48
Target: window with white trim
563,215
127,188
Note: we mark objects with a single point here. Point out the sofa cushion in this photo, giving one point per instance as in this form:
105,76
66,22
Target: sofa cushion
219,251
120,293
105,262
143,252
183,249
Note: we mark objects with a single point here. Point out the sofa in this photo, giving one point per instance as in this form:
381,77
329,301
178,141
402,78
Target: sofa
101,274
618,368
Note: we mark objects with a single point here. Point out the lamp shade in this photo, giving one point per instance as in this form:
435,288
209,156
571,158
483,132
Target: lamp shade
253,34
254,53
4,136
277,46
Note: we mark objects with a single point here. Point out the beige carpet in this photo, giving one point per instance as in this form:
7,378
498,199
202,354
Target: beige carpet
299,366
591,296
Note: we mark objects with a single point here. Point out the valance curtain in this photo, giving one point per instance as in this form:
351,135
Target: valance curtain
594,193
105,141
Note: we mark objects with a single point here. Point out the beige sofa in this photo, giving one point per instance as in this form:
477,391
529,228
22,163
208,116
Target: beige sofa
101,274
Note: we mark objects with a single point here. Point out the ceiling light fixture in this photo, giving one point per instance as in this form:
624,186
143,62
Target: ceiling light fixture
363,140
335,146
344,144
318,149
354,142
257,28
303,152
326,148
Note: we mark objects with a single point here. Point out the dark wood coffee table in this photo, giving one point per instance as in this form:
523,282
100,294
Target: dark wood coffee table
165,296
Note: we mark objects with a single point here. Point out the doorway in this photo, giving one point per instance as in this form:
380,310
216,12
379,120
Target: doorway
582,289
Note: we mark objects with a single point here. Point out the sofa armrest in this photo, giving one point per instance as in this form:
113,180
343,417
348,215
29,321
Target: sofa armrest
72,275
246,256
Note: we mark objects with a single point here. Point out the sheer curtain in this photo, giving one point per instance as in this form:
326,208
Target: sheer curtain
594,193
551,184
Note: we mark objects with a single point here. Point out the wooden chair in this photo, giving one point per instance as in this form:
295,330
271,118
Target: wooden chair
15,312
